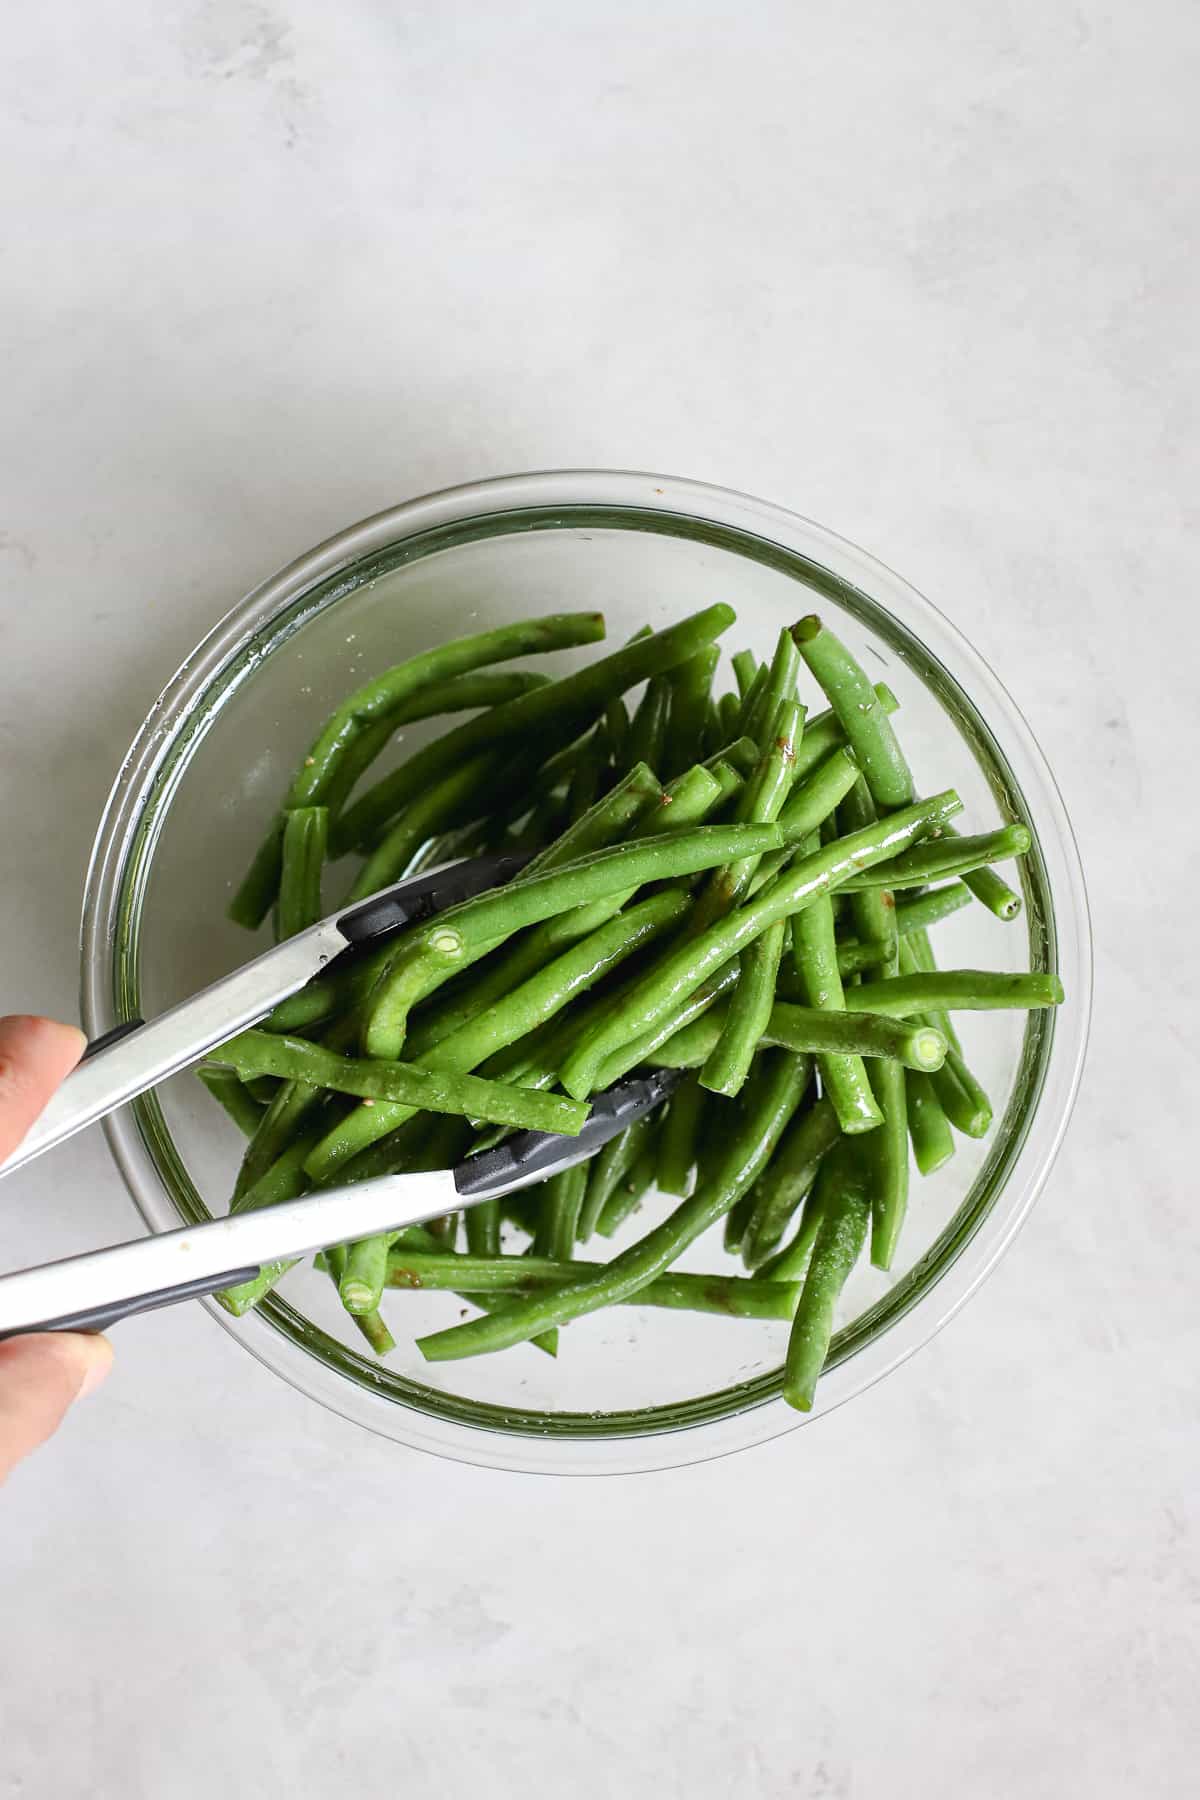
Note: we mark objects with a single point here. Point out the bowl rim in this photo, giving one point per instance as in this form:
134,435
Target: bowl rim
122,855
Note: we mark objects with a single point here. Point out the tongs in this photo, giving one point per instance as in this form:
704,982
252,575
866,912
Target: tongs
96,1289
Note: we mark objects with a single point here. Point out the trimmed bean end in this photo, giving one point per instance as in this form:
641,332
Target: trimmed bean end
357,1298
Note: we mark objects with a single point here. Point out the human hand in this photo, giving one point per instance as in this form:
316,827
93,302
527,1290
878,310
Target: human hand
41,1375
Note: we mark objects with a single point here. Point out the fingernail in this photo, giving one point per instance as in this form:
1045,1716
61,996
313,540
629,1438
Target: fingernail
99,1362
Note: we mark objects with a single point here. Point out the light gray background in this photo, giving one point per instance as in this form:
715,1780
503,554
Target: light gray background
924,271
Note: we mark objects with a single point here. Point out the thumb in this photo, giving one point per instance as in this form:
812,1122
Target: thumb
40,1377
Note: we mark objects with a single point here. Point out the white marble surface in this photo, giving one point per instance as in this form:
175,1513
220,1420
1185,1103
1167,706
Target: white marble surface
926,272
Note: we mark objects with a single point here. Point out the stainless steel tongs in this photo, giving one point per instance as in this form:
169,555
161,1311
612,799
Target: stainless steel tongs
101,1286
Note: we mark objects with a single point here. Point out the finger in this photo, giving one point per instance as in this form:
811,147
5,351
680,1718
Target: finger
40,1376
35,1055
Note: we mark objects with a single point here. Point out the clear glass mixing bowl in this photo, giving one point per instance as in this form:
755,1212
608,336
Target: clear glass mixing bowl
631,1389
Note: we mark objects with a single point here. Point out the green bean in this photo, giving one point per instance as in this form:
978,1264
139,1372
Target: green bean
839,1240
305,837
731,785
678,1139
928,1128
772,1098
727,1064
865,722
961,1097
438,1145
855,958
609,1168
546,1341
483,1228
814,956
947,856
956,990
534,1061
637,795
729,1295
729,715
681,971
371,1325
361,1285
434,1090
741,755
687,800
616,726
812,802
428,956
462,693
456,798
962,1101
736,1221
284,1180
932,907
629,1192
645,1047
636,807
885,1155
513,1017
402,1148
291,1106
787,1180
874,912
417,689
916,957
243,1298
751,698
809,805
823,733
690,687
385,1157
710,739
745,668
304,844
886,1158
400,691
559,1223
552,715
759,803
235,1097
262,1089
391,1154
991,890
779,687
790,1264
523,1275
588,779
554,776
329,996
364,748
415,1239
648,727
256,892
813,1031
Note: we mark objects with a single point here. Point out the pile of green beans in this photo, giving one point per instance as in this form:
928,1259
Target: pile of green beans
720,884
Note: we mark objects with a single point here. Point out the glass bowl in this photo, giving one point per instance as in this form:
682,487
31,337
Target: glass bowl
631,1388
